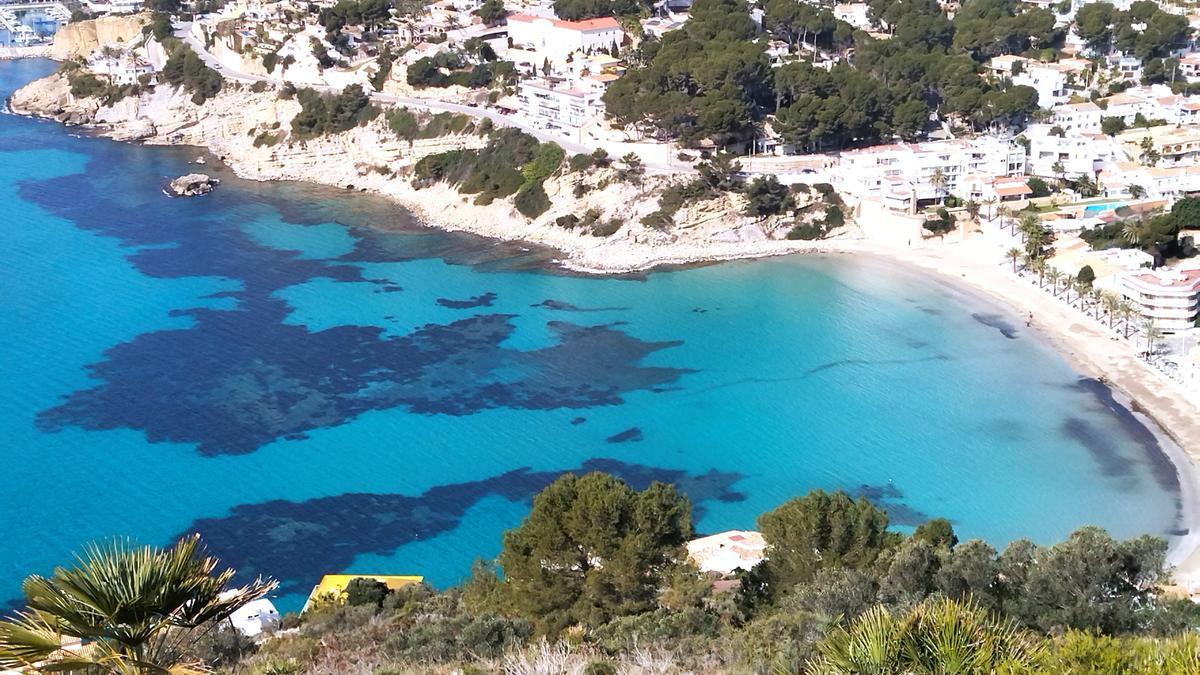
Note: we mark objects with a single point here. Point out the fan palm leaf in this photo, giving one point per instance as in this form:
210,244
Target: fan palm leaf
130,606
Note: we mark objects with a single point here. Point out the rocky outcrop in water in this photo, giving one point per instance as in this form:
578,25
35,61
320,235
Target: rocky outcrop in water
192,185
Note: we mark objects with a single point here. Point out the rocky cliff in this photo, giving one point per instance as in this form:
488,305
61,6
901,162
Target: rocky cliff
249,130
84,37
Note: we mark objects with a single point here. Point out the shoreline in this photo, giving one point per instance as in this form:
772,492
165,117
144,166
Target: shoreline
975,264
1159,404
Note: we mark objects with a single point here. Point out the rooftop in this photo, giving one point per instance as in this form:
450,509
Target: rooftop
728,551
587,26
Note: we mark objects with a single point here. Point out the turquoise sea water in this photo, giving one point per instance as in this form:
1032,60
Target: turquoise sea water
315,395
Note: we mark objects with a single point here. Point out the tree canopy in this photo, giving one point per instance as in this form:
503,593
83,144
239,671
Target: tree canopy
592,548
711,79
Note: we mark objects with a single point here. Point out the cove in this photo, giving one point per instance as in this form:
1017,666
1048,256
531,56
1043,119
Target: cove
316,384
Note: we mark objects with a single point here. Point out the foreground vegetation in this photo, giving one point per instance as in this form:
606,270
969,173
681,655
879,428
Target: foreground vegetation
594,580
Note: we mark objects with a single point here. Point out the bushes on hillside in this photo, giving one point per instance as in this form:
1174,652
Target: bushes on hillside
322,114
598,568
449,69
512,163
184,68
408,125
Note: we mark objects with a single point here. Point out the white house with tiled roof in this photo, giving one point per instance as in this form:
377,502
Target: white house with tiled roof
556,38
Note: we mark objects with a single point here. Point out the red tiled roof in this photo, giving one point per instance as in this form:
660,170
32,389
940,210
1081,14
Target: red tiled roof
603,23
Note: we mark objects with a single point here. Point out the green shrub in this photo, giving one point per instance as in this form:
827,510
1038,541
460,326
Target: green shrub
766,196
531,200
600,668
184,68
608,228
363,591
1086,275
807,231
331,114
266,139
86,85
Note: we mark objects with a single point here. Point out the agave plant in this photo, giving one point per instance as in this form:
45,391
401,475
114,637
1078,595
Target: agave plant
946,637
128,610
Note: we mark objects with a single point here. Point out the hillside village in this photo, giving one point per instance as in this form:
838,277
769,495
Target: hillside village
1063,137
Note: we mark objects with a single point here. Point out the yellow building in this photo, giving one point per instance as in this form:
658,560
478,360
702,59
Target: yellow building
334,585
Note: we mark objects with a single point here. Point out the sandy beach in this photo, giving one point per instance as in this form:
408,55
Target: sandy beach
1092,350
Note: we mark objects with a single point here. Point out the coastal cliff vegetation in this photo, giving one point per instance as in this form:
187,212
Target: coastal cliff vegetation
513,163
596,580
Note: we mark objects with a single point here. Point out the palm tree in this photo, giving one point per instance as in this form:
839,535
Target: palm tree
1055,276
1035,241
1137,191
1086,187
972,208
1134,231
1152,334
1127,311
990,203
938,636
1150,154
1060,171
1005,214
1081,292
1039,266
1013,254
1112,305
135,609
938,181
1097,302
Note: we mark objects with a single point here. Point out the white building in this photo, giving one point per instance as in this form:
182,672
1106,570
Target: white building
1127,67
254,617
556,38
854,14
1169,183
1078,153
114,6
1189,67
1049,82
727,552
559,107
1078,117
1054,81
994,189
121,68
1169,297
903,174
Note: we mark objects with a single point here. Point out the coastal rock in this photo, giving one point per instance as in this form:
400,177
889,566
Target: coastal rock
192,185
251,131
51,97
81,38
